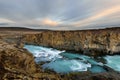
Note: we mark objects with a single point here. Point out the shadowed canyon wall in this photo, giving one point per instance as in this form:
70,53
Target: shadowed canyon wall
90,42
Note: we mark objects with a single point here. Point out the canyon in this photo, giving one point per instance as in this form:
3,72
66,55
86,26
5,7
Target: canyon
89,42
17,63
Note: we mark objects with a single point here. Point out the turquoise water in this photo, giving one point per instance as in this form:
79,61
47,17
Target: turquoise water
65,62
113,62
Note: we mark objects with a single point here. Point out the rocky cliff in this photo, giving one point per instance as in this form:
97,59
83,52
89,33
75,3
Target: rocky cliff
90,42
17,63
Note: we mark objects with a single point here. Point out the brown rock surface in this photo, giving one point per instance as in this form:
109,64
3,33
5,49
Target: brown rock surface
90,42
88,76
17,63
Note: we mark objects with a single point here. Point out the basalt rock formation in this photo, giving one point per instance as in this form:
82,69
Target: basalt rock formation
90,42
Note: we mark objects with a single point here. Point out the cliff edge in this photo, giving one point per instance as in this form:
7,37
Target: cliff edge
89,42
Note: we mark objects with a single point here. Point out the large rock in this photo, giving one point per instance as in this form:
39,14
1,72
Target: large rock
14,62
18,64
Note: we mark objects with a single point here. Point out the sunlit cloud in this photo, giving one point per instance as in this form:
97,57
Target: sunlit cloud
49,22
60,14
43,22
100,15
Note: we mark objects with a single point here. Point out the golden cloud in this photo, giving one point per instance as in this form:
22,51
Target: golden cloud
49,22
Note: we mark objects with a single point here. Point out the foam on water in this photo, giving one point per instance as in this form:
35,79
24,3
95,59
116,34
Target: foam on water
65,66
43,53
63,62
113,62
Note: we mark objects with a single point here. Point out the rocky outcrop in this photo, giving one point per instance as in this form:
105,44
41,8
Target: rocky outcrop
15,62
90,42
18,64
88,76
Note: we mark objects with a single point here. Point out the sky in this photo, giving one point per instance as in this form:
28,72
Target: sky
60,14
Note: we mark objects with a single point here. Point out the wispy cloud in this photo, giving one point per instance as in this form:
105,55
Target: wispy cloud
3,20
60,14
100,15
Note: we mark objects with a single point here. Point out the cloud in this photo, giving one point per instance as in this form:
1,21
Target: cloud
42,22
60,14
49,22
3,20
100,15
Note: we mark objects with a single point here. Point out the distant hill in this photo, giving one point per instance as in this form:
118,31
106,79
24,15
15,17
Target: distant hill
28,29
20,29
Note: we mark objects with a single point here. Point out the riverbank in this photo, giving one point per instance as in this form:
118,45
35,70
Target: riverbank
18,63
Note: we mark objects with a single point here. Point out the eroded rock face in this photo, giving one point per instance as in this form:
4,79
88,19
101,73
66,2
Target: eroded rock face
18,64
15,63
13,60
90,42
